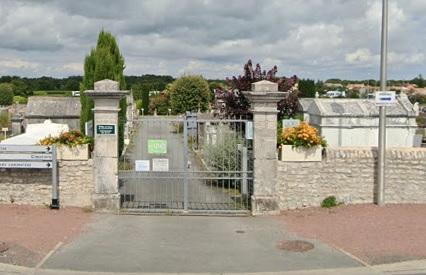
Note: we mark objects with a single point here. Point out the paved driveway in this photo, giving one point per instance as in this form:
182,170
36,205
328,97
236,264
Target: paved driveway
189,244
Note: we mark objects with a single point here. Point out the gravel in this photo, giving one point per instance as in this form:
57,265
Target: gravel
30,232
376,235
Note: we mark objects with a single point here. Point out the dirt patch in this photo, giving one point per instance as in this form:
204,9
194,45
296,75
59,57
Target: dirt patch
374,234
30,232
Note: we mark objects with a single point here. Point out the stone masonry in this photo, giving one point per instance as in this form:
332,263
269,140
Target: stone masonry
263,98
34,186
349,174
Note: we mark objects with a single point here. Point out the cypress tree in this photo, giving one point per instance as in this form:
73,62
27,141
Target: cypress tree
103,62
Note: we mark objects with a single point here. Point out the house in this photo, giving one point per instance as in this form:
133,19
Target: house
63,110
354,122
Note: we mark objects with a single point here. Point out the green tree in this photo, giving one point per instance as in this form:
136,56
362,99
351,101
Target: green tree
6,94
189,93
161,103
419,81
307,88
21,88
104,62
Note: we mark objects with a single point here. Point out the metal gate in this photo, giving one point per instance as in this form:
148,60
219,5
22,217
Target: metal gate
187,165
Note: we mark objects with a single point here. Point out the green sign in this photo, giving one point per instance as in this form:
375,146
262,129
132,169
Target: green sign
157,146
105,129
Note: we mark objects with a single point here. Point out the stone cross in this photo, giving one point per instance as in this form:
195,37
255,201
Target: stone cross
263,98
106,96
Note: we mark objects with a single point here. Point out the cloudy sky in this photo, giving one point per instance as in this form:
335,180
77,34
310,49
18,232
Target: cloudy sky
310,38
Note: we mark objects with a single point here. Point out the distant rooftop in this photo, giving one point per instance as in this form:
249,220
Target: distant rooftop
354,107
53,107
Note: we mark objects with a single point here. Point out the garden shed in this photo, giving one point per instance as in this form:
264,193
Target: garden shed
64,110
354,122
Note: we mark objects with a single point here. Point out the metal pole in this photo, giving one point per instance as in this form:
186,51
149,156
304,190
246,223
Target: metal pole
186,163
382,109
55,186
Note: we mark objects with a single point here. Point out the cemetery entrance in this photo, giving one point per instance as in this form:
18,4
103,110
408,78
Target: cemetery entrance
187,165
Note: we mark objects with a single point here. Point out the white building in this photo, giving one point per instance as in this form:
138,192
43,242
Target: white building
354,122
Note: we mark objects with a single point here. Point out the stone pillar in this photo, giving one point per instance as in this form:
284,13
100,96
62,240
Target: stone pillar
263,98
105,156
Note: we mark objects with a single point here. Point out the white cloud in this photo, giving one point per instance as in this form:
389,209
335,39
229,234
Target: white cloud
74,67
16,63
360,56
316,38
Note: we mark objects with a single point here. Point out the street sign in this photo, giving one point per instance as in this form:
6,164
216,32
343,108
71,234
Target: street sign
26,164
4,129
24,148
385,98
157,146
105,129
27,156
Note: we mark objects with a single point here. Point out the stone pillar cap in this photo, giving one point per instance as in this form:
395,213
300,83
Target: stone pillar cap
106,88
264,86
106,84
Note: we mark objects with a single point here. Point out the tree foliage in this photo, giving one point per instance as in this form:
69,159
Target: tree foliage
160,102
6,94
189,93
238,106
103,62
307,88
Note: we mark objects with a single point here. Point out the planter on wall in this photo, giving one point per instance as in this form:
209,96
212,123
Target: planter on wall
80,152
290,153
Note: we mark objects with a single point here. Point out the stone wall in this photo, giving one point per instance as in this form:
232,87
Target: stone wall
350,175
34,186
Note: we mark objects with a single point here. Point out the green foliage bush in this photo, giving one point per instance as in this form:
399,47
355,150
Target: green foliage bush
189,93
6,94
20,99
329,202
4,119
139,104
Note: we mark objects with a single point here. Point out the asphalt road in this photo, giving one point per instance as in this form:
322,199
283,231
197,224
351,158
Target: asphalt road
190,244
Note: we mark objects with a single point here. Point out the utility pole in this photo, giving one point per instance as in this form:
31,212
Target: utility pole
382,109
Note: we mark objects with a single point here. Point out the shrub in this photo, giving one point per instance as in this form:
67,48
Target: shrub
139,104
6,94
329,202
20,99
4,119
303,135
71,139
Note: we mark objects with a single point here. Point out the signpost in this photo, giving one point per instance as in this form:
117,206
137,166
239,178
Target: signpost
105,129
32,157
385,98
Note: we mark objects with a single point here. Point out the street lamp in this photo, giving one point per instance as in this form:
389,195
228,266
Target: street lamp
382,109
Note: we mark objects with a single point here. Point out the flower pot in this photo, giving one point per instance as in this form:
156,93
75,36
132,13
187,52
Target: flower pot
290,153
80,152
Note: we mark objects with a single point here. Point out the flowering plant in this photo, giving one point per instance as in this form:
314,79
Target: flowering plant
71,138
303,135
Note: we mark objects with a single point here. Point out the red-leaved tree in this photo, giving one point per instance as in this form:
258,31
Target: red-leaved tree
232,103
